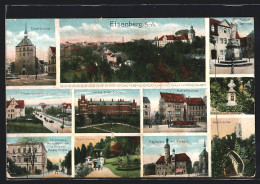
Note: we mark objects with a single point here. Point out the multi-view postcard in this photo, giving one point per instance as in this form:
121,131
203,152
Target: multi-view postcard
107,111
38,110
175,156
132,50
30,52
232,45
175,110
232,95
107,157
38,157
233,147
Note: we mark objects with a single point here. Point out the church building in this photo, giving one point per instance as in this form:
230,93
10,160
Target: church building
172,164
25,56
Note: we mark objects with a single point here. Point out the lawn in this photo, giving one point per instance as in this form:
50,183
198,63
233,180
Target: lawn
124,174
89,130
26,127
119,128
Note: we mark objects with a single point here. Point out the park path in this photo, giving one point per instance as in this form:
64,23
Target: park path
53,175
104,173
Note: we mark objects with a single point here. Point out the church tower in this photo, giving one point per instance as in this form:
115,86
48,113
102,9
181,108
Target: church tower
25,56
191,34
167,152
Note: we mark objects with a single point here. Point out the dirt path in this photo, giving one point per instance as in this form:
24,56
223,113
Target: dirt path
104,173
53,175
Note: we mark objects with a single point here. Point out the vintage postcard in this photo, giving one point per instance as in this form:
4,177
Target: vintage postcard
38,110
107,157
175,110
30,52
232,45
175,156
107,111
132,50
233,147
232,95
38,157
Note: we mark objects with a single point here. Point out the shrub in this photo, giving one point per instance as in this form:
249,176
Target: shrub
82,170
38,171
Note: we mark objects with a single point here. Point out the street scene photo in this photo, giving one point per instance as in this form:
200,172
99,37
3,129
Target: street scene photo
38,110
107,111
38,157
232,45
132,50
233,147
232,95
107,157
30,52
175,156
174,110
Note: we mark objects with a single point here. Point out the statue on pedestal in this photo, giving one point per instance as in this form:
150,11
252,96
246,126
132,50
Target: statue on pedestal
231,94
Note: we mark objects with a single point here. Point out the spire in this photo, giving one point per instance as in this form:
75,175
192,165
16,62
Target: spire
204,144
25,31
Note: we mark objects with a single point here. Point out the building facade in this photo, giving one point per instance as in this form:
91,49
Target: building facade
203,161
25,57
187,38
120,107
172,164
22,154
14,109
52,60
146,110
221,33
196,109
175,107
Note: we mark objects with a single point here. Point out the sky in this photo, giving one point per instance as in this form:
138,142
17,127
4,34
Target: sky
154,95
57,147
36,96
107,94
40,31
226,126
153,146
244,24
107,29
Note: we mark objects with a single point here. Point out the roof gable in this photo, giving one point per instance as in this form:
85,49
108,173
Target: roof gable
225,23
173,98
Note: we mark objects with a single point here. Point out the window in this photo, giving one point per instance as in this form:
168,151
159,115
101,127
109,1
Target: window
212,28
14,158
12,110
27,48
24,150
225,30
225,41
19,150
220,29
216,39
169,105
177,112
221,40
23,66
23,61
29,150
24,49
23,54
145,106
20,49
145,112
19,159
221,52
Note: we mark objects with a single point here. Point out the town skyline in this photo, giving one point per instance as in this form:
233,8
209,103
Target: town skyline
108,95
40,31
92,30
36,96
154,146
154,95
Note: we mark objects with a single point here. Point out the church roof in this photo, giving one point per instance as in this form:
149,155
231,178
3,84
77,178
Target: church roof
25,42
204,153
178,158
146,99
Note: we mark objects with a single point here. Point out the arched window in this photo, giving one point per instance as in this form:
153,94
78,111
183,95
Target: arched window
212,28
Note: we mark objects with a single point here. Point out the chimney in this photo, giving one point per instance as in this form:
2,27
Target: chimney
112,100
100,99
134,101
82,97
91,99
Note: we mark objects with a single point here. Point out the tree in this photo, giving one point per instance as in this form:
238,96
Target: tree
83,153
33,144
67,162
49,165
92,71
77,155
